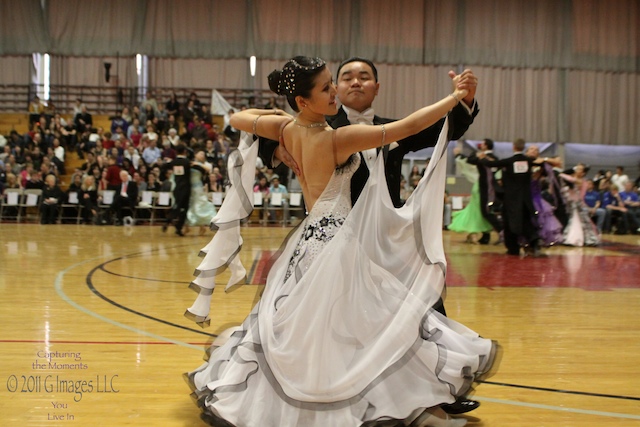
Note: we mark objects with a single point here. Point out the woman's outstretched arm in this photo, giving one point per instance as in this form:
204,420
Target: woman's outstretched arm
265,123
351,139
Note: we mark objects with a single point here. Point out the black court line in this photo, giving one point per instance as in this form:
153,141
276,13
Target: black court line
93,289
557,390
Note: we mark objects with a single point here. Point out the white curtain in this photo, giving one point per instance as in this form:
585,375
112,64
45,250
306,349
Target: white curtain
550,70
16,70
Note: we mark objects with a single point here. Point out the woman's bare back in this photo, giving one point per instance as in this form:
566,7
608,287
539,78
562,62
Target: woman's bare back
313,150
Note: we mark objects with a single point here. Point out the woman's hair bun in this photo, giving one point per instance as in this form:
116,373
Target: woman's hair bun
275,82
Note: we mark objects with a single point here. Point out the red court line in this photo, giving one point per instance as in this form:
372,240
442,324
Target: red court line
262,268
96,342
569,270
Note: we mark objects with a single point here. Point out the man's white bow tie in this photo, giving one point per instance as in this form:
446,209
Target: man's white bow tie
366,117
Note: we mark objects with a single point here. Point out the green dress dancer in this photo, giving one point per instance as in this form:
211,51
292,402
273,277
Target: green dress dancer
470,219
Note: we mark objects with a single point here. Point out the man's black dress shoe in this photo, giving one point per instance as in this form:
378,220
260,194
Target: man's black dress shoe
485,239
460,406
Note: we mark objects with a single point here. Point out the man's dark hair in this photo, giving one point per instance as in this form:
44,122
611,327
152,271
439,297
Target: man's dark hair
519,144
488,143
358,59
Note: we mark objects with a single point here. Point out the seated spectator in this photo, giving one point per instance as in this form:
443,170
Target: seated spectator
150,104
126,115
262,187
127,166
230,132
63,131
172,123
199,131
119,122
616,211
222,148
77,108
34,182
168,153
205,115
133,156
36,108
143,170
88,198
125,199
215,182
167,183
118,134
276,188
140,182
210,152
51,198
189,113
12,182
172,105
151,134
57,156
136,114
150,152
148,115
83,121
6,152
152,183
160,119
593,202
631,202
619,178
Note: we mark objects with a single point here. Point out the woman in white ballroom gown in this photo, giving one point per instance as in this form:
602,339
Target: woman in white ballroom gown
345,333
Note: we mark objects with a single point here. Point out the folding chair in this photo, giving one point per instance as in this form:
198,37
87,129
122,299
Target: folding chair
259,208
216,197
105,200
296,207
162,202
10,204
71,208
278,208
30,204
145,206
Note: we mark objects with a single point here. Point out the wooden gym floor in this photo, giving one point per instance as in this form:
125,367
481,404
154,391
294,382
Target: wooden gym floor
92,331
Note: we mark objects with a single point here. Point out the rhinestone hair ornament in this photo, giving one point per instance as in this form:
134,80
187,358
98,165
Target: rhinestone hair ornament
287,82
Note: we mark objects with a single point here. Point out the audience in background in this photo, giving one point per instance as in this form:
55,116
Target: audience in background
141,140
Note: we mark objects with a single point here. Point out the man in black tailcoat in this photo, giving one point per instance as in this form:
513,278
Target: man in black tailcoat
517,211
181,171
489,190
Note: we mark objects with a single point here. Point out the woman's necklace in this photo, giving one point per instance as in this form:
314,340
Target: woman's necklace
310,125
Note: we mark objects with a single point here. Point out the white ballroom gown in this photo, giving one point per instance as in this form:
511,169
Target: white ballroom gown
345,333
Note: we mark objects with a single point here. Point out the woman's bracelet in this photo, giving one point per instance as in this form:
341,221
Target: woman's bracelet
255,124
455,97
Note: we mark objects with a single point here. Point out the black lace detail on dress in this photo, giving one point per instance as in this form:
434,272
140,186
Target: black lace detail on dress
321,230
318,229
